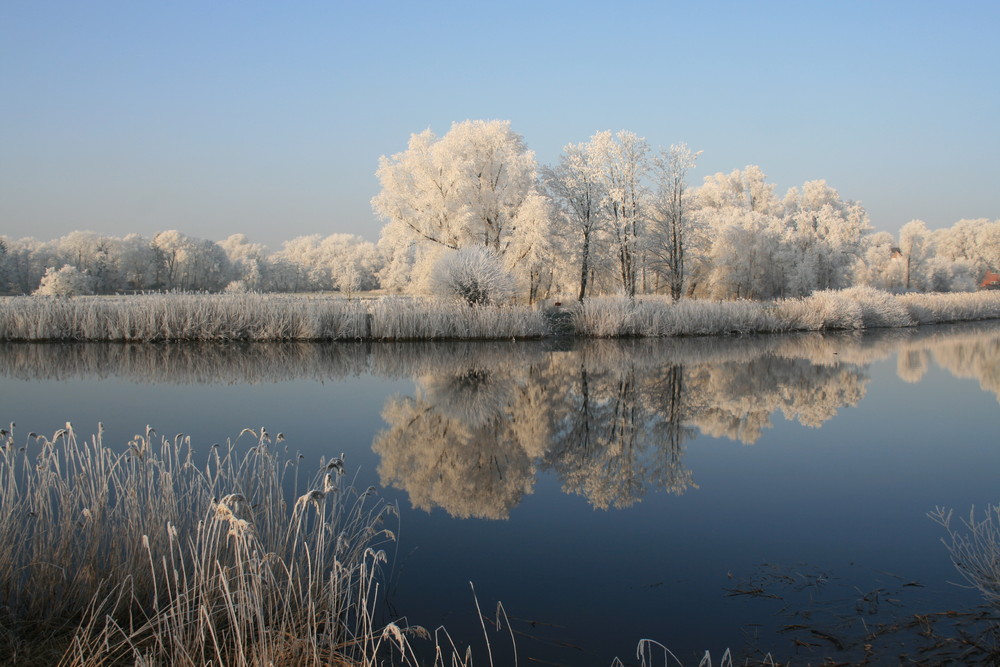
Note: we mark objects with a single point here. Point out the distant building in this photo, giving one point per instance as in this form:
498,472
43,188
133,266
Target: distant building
990,281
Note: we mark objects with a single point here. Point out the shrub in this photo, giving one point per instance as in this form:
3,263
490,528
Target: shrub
473,274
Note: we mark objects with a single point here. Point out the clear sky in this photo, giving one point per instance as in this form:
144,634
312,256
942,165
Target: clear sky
269,118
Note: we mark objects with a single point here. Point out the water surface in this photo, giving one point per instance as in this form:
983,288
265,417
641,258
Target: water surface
708,493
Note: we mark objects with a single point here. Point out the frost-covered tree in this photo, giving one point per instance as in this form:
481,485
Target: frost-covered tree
247,261
27,261
746,256
64,282
92,254
4,284
530,255
881,263
824,238
915,248
465,188
576,187
622,160
190,263
742,217
974,244
745,189
675,234
343,262
137,263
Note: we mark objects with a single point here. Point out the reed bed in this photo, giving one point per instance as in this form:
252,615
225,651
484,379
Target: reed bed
856,308
275,317
147,557
256,317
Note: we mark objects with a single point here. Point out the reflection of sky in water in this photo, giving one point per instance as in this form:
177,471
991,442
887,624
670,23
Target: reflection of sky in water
318,419
849,498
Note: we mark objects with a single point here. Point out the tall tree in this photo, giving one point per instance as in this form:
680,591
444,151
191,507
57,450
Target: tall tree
576,187
674,232
465,188
914,245
623,161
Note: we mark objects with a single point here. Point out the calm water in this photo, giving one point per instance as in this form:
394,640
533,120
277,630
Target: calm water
751,492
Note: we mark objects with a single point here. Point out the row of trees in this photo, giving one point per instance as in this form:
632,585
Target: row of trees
614,215
472,213
85,262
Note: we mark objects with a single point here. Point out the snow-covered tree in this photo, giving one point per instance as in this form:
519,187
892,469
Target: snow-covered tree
64,282
190,263
742,217
881,263
530,255
916,248
4,285
674,232
137,263
824,238
745,189
247,261
973,243
746,256
576,187
465,188
622,160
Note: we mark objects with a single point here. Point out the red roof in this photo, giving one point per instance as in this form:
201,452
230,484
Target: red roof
991,279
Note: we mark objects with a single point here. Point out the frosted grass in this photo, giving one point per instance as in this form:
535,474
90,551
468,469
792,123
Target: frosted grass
257,317
856,308
150,557
273,317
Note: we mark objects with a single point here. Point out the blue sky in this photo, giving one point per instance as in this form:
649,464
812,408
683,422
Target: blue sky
269,118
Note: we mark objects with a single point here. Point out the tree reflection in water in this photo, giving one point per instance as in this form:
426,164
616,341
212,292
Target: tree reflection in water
610,418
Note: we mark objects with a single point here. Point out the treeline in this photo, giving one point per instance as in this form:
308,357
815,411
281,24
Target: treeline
88,263
613,215
471,213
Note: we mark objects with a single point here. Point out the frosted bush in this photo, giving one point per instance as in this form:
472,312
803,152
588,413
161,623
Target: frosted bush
67,281
474,275
236,287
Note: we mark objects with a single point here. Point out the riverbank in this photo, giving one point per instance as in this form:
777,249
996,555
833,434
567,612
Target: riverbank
280,317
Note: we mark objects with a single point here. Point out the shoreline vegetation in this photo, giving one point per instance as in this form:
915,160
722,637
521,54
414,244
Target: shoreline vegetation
158,554
279,317
154,555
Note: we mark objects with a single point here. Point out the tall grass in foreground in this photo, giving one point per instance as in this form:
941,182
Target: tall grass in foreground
149,557
974,546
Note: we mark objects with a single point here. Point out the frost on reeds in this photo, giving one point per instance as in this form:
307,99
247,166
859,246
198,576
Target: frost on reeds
855,308
279,317
150,557
955,307
398,318
974,546
257,317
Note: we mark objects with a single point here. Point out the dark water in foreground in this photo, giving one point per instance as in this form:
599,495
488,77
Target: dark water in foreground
751,492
